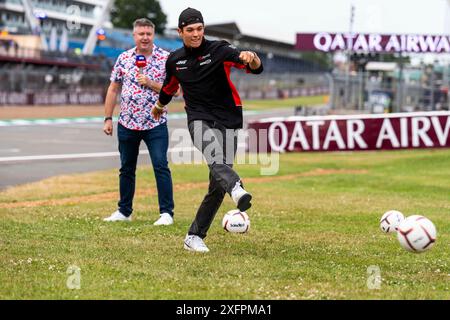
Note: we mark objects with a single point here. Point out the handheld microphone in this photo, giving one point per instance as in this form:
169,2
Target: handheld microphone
141,62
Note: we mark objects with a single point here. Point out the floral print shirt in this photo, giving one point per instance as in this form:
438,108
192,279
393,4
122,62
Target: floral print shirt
136,101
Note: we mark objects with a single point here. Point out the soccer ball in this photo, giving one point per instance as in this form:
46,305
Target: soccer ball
416,234
390,221
236,221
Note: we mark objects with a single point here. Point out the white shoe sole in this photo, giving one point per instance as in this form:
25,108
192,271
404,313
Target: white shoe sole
193,250
162,224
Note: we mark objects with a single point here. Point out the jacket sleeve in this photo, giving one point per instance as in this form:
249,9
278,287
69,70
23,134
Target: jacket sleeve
170,85
231,54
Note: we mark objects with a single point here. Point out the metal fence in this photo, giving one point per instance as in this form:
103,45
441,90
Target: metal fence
43,85
367,92
16,79
33,84
359,92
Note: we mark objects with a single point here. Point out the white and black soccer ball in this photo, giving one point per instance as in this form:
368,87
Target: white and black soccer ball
236,221
417,234
390,221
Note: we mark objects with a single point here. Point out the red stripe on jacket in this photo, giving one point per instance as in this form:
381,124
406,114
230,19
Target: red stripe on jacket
227,66
172,87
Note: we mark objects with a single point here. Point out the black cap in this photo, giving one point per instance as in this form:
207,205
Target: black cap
189,16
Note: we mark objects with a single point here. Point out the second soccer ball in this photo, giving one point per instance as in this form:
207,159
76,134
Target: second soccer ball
416,234
390,221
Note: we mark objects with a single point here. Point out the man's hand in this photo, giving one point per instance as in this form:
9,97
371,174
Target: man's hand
108,127
157,111
251,59
247,57
143,80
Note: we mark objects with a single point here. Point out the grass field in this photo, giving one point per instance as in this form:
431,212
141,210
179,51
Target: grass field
314,233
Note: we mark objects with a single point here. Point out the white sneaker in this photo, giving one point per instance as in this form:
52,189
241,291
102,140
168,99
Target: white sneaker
195,243
117,216
241,197
165,219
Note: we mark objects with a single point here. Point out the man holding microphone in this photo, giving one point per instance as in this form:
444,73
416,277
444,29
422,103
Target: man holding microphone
138,75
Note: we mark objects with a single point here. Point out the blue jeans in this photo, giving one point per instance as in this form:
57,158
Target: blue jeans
157,141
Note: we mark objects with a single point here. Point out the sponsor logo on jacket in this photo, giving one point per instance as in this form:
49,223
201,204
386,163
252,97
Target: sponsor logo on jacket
205,62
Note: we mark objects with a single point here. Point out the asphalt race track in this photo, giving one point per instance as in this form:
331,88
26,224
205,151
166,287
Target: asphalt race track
35,151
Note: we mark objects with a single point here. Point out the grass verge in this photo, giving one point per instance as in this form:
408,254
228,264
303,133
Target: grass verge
314,233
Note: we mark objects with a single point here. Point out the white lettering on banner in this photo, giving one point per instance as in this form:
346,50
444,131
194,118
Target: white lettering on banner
338,43
273,134
403,42
322,45
333,134
361,43
90,98
404,132
412,44
387,132
428,43
393,44
73,98
315,132
375,42
49,98
354,134
354,130
326,42
349,39
12,98
442,135
420,132
443,45
298,136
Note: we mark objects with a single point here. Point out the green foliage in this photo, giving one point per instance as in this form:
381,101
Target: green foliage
125,12
321,59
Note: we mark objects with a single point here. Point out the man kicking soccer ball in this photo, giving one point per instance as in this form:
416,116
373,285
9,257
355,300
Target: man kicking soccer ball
214,112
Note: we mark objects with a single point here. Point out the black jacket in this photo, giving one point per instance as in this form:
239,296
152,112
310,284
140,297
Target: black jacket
204,76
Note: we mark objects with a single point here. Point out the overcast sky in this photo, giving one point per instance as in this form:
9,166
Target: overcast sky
282,19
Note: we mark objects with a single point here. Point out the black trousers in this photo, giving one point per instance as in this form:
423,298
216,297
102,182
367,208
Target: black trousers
218,145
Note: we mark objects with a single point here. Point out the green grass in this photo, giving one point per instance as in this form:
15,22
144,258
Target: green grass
283,103
314,233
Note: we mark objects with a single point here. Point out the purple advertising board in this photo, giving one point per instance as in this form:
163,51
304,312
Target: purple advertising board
329,42
86,97
350,133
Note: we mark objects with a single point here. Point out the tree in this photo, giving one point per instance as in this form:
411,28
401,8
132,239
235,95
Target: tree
320,59
125,12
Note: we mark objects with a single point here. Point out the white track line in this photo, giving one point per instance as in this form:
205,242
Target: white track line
87,155
62,156
80,155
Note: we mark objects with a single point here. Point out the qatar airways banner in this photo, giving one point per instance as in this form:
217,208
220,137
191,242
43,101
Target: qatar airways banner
351,133
328,42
